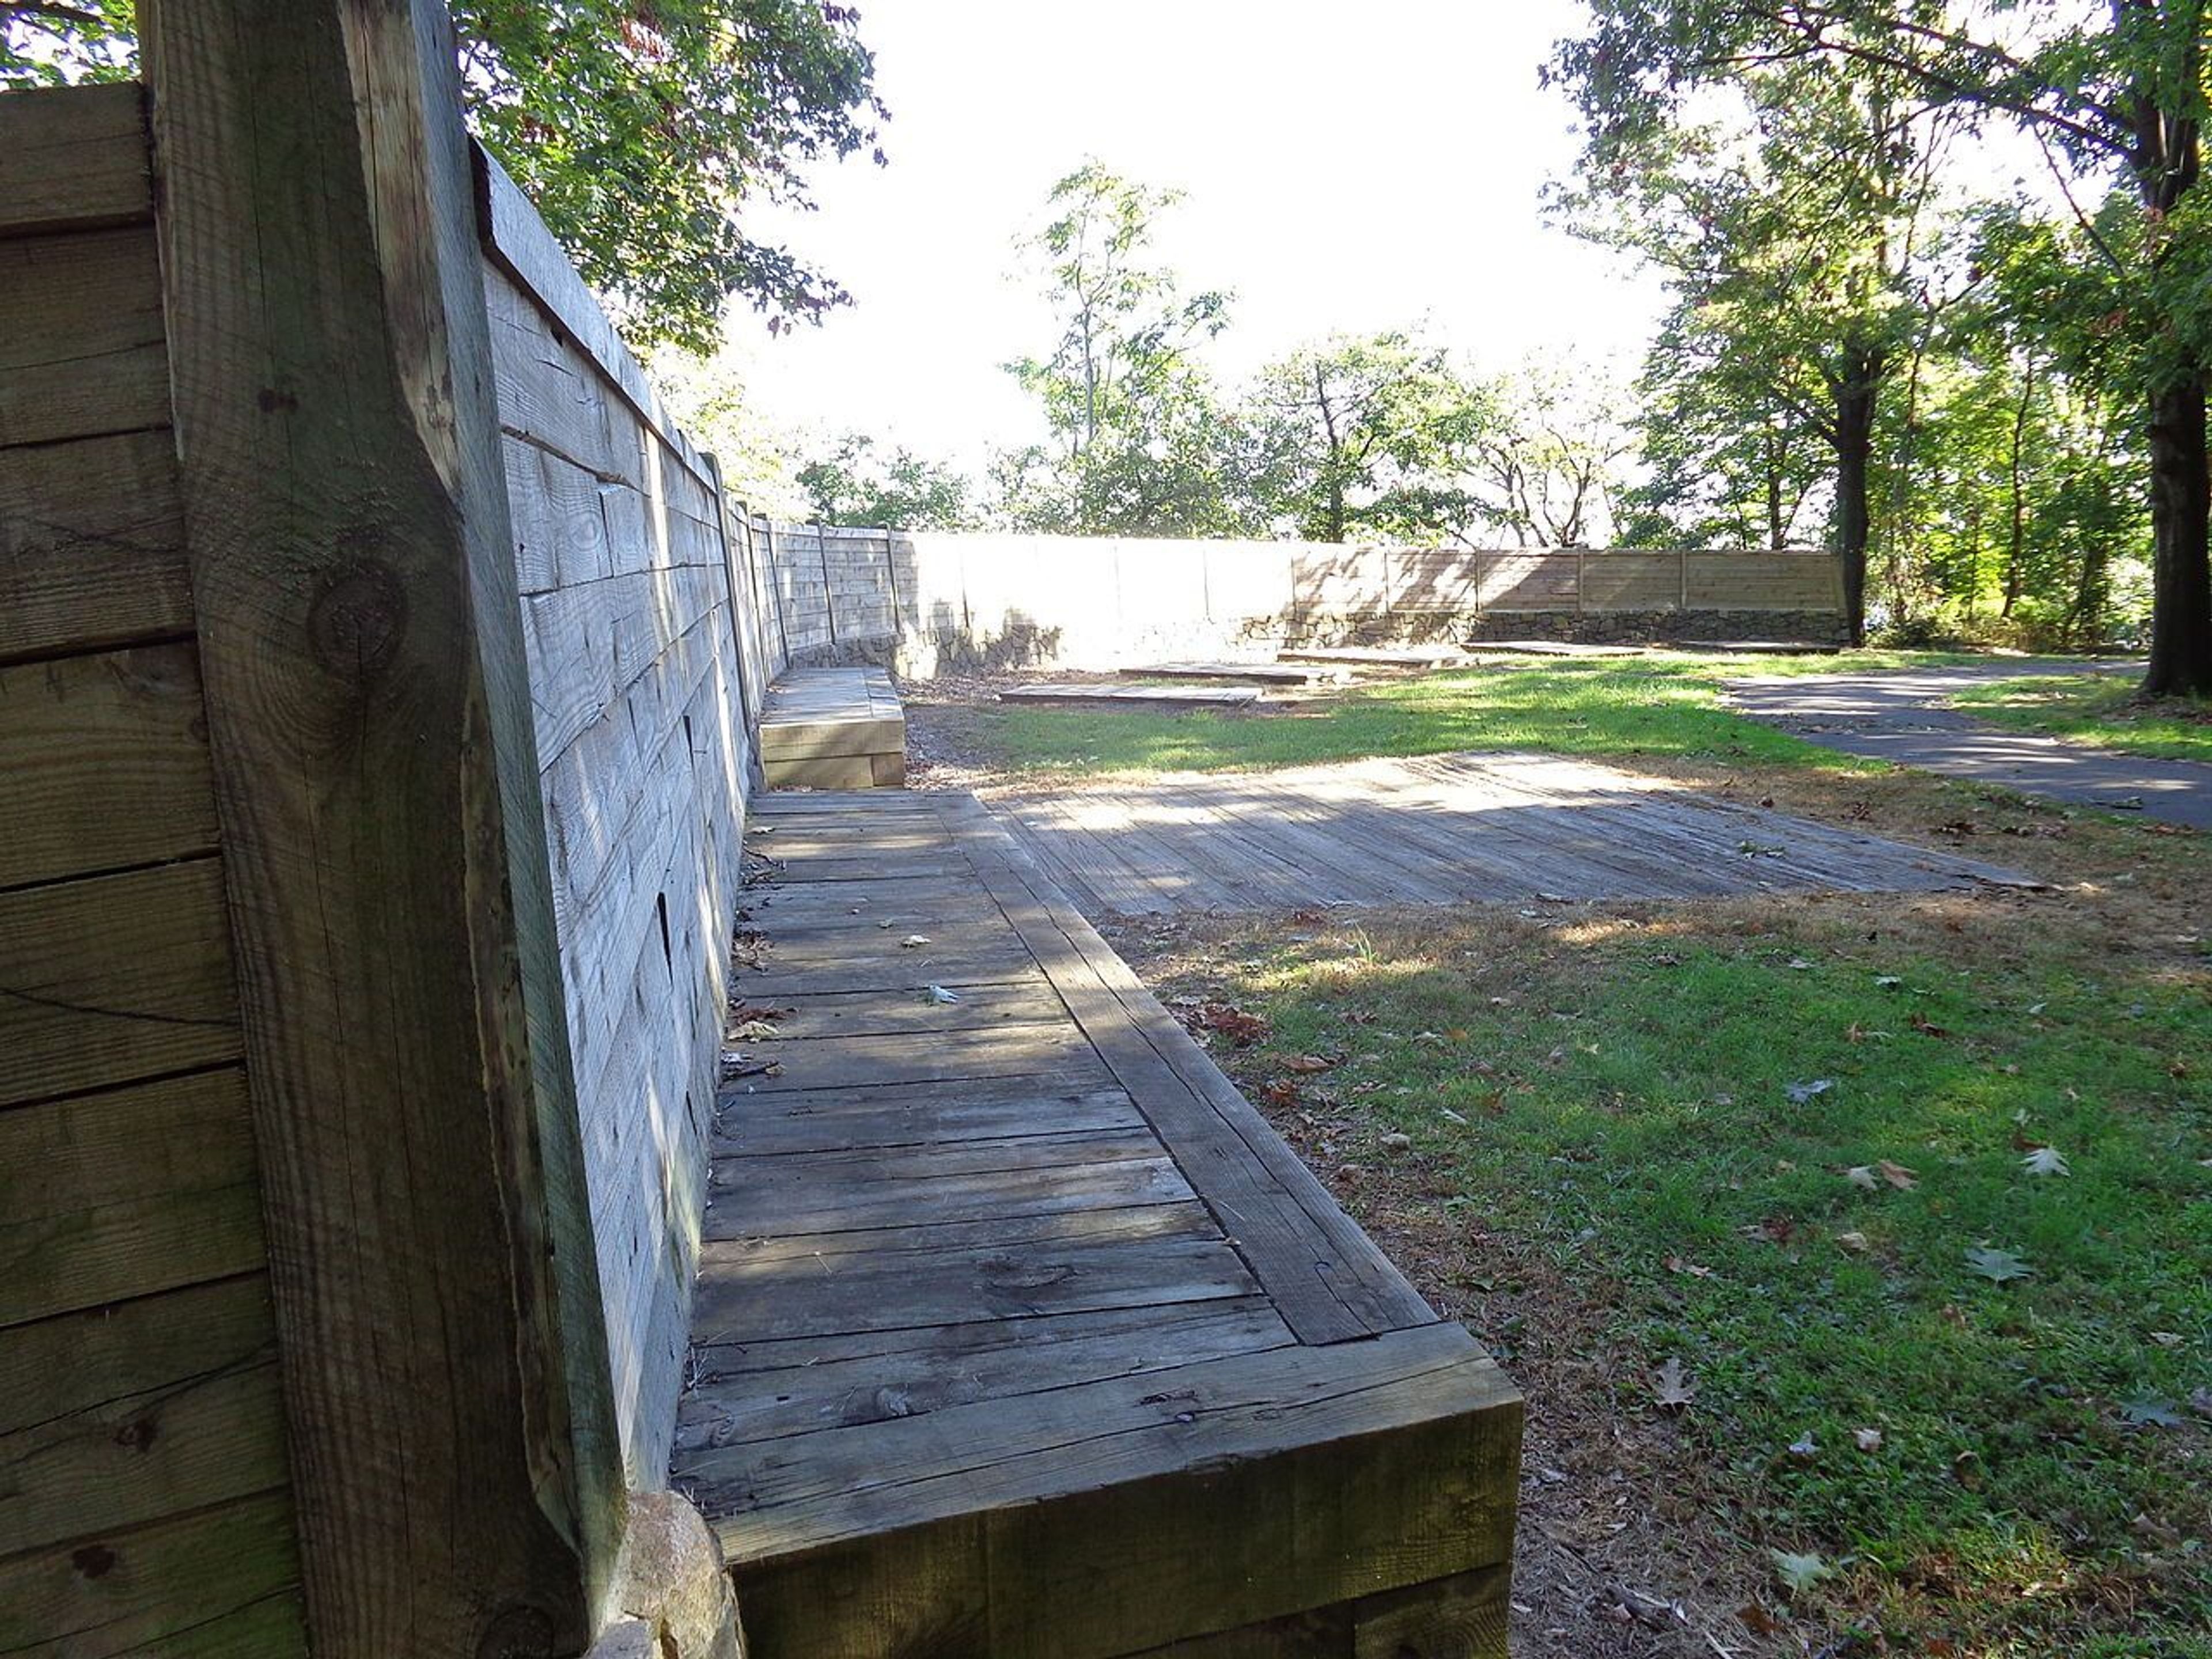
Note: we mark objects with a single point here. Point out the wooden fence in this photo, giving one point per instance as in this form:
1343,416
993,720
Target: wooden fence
926,602
377,668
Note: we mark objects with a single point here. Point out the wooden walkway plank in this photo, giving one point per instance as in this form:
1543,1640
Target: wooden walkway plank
1018,1332
1253,673
1172,697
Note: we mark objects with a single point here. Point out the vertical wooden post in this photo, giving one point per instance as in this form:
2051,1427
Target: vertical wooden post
445,1371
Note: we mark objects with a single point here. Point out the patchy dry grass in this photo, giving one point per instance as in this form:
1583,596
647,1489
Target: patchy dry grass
2096,709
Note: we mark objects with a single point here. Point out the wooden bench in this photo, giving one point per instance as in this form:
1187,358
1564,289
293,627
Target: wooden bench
1018,1333
833,728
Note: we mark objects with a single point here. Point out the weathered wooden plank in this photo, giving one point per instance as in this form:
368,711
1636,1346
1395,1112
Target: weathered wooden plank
81,348
124,1193
122,1415
1327,1276
745,1298
877,1013
1460,1617
1050,1050
106,763
114,978
754,1125
1197,696
736,1399
218,1583
1256,673
73,157
961,1180
1108,1439
91,544
408,1070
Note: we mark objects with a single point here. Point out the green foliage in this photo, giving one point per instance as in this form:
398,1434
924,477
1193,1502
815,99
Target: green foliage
1138,443
642,129
47,45
854,483
1360,434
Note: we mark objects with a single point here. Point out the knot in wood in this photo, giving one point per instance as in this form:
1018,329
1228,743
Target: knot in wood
357,622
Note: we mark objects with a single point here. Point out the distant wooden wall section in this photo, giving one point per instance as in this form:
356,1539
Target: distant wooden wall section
145,1503
925,602
634,609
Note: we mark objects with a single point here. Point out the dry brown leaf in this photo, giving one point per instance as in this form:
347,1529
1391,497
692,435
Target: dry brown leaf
1670,1389
1897,1174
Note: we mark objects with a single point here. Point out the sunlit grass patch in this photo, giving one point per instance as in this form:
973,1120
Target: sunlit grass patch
2097,708
1768,1142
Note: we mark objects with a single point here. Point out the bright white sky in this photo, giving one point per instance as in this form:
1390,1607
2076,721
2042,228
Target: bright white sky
1344,168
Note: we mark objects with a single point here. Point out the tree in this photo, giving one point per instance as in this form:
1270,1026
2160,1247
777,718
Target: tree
2113,93
1730,462
1138,443
1545,462
854,483
1350,432
1789,219
644,130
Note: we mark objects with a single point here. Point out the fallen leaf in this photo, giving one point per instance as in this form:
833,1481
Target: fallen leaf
1998,1266
744,1014
1397,1142
1897,1174
1888,982
1800,1093
913,941
1670,1389
1280,1092
1309,1063
1862,1174
1800,1572
1450,1116
1855,1242
1926,1026
1676,1264
753,1030
2200,1401
2046,1161
2150,1413
937,994
1868,1440
1242,1029
1758,1620
1804,1447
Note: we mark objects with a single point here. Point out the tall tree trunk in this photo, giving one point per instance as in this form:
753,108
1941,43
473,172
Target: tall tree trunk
2180,504
1854,433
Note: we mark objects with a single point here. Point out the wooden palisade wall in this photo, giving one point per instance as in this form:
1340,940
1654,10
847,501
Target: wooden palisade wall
376,671
145,1499
643,748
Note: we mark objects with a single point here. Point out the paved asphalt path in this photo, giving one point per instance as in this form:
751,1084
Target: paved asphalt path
1900,717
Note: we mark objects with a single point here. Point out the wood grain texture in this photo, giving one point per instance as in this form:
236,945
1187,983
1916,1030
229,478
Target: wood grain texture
73,157
80,336
220,1583
406,1054
114,978
91,544
122,1415
107,762
124,1193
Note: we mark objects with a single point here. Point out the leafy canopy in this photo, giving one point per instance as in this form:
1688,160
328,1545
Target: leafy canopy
644,130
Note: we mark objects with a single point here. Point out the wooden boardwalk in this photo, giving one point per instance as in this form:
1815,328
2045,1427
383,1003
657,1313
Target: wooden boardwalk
1018,1333
833,728
1141,695
1438,829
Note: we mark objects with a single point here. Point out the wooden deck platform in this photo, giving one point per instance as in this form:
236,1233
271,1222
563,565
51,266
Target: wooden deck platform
1019,1333
1378,656
1439,829
1245,673
833,728
1141,696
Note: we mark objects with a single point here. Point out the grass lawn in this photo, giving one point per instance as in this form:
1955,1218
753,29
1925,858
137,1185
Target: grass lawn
1788,1146
1664,705
2097,708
